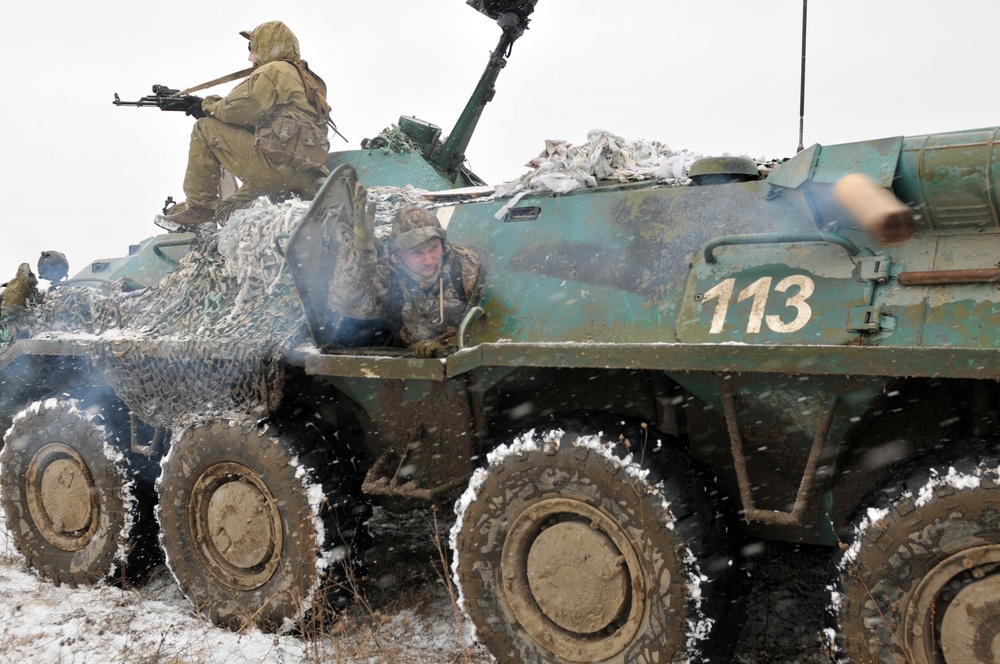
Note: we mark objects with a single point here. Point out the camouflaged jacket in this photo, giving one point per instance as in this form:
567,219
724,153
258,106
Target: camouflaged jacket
366,288
274,89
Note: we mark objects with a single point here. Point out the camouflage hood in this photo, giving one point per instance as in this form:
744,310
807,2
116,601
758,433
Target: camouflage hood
273,41
413,226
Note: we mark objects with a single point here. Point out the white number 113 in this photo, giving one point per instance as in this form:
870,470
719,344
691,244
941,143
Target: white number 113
759,292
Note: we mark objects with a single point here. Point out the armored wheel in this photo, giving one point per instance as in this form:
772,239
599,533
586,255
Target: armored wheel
77,509
259,525
919,579
569,547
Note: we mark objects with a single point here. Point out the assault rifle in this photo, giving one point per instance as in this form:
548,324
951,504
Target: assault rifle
168,99
164,98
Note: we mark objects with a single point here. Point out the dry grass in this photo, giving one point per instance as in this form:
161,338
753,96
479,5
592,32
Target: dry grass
785,615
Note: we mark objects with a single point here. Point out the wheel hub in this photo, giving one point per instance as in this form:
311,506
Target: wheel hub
237,525
572,579
956,610
62,497
970,631
575,574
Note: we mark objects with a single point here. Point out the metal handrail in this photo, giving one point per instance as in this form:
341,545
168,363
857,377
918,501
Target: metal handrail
780,238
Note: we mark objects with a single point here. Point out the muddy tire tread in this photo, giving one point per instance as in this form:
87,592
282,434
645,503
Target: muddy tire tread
866,625
72,421
270,453
691,523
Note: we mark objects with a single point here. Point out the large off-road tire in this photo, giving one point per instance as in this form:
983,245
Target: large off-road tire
79,509
260,526
569,548
919,579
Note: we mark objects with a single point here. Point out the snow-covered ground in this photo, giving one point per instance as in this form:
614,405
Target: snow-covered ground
406,615
40,622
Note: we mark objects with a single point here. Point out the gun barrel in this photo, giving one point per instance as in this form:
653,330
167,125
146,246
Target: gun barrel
163,98
119,102
143,101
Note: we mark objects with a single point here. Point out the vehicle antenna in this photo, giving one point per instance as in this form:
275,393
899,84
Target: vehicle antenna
802,85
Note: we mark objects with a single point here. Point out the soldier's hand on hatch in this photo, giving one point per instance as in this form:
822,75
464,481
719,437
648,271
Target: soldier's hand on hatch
427,348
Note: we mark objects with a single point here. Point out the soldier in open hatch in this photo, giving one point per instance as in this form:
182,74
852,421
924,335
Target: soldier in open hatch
270,132
423,286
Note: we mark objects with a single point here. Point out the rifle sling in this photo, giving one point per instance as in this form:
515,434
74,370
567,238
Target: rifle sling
315,90
243,73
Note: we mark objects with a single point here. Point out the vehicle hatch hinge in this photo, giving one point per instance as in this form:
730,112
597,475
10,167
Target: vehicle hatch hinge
870,319
873,268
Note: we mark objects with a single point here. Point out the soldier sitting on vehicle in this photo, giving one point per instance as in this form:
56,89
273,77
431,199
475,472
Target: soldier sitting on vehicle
270,132
422,287
17,298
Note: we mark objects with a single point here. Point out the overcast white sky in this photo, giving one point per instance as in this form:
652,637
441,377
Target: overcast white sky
713,76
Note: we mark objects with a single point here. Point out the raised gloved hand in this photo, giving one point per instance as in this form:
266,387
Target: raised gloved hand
427,348
194,108
364,218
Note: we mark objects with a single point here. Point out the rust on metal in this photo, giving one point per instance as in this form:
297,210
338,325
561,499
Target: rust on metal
935,277
750,511
856,360
150,449
374,366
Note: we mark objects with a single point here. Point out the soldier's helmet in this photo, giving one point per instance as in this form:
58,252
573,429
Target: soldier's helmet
412,227
53,266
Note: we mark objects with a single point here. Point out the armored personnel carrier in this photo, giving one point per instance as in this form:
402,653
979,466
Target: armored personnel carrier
660,373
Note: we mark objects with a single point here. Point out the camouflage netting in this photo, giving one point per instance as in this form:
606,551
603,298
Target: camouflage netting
389,199
209,339
392,140
562,167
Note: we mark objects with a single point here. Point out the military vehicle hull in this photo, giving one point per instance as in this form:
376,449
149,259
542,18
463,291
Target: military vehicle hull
750,363
751,324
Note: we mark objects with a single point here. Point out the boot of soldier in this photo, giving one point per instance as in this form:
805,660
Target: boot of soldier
200,221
